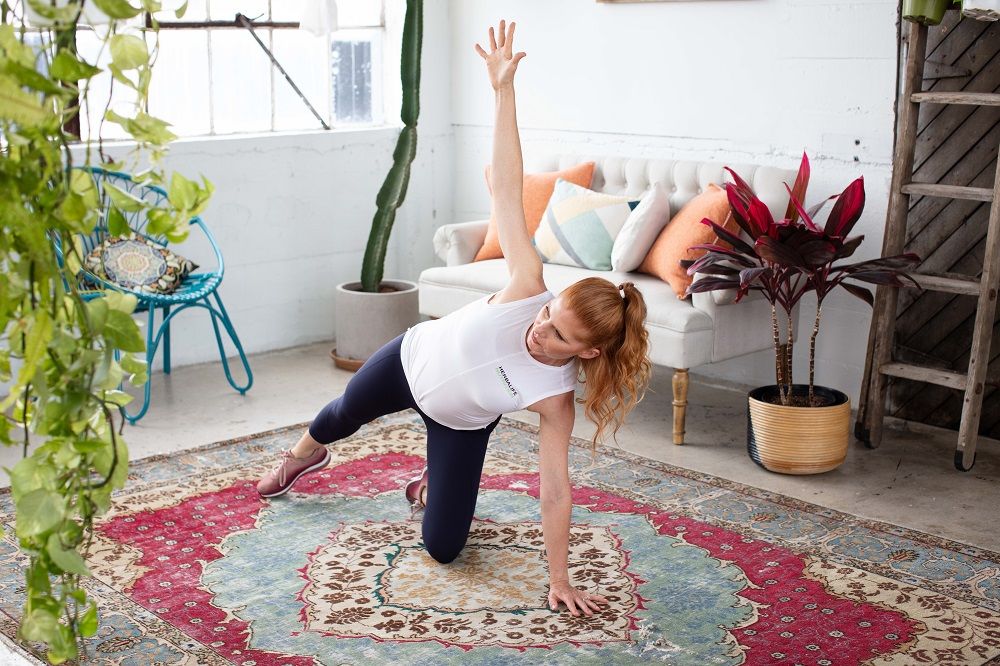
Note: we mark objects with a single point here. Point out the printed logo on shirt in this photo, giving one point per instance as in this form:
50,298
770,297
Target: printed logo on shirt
510,387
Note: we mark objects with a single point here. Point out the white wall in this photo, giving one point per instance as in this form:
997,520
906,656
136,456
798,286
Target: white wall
292,211
755,81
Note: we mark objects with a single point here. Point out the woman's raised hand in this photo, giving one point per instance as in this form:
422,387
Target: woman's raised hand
501,61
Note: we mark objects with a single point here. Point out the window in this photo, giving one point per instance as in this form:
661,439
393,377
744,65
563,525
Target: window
218,80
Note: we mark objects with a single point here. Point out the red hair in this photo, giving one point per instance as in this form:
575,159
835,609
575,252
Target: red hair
616,379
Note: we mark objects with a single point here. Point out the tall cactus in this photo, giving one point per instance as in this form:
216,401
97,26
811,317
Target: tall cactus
393,191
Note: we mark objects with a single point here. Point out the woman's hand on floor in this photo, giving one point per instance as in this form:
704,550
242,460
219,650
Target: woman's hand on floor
576,600
501,61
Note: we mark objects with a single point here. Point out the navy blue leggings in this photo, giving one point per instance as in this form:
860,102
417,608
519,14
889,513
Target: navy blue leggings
454,457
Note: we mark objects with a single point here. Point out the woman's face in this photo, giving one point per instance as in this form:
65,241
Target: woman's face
558,334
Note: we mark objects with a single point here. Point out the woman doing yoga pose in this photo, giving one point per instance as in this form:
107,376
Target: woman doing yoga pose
519,348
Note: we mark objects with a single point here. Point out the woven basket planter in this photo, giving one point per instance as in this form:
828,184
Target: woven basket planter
798,440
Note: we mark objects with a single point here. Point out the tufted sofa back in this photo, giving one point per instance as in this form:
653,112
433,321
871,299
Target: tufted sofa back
682,180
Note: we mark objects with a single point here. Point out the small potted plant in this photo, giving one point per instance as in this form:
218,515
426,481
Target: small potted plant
928,12
795,428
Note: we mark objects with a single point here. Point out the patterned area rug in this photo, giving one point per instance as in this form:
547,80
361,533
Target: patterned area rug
192,567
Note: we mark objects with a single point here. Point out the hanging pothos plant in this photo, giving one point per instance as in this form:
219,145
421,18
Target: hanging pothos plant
57,348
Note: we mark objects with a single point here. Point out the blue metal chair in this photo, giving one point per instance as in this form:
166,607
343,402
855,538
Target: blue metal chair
198,289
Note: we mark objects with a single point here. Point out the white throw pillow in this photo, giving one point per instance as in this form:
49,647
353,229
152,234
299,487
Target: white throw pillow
641,229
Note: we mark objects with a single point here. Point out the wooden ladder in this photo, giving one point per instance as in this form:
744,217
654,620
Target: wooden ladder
880,364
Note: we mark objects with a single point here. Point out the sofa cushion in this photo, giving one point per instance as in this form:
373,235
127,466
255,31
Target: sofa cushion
536,194
684,231
641,229
444,289
137,263
580,225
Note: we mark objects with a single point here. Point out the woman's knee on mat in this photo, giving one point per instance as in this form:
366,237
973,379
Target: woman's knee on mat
444,547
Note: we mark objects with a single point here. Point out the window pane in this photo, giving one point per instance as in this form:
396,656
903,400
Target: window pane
178,92
226,10
241,82
359,13
351,80
197,10
350,13
304,58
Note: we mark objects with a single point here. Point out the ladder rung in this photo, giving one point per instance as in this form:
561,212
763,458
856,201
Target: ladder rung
949,191
975,98
951,283
955,380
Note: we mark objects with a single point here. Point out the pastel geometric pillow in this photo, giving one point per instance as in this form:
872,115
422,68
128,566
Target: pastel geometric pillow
580,225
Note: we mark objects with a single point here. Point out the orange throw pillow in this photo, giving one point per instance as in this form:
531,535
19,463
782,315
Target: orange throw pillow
683,231
537,192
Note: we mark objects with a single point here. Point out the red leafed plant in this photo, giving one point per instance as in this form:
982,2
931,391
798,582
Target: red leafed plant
786,259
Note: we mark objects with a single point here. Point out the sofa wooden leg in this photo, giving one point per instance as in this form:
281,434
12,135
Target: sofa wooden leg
680,403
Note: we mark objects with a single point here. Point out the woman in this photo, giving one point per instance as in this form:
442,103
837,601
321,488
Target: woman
520,348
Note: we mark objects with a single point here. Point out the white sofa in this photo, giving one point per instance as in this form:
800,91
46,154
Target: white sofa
682,333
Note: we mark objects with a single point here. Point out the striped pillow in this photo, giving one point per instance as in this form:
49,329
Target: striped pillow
579,226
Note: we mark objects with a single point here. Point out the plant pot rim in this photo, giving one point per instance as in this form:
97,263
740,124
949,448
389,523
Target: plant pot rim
839,397
354,287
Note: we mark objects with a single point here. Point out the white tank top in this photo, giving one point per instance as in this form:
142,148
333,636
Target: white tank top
472,365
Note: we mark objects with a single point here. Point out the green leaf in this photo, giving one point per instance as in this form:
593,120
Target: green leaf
19,106
119,398
73,210
101,497
117,226
66,559
89,445
40,625
120,474
63,13
122,332
145,127
118,75
117,9
112,378
82,182
38,337
183,192
73,265
32,78
62,647
128,52
121,301
136,367
160,221
29,475
68,67
97,313
123,199
182,10
88,623
39,511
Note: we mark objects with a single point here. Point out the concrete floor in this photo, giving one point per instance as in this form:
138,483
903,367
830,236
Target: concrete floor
908,481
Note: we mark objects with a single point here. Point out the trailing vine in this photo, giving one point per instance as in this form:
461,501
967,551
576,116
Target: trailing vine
65,352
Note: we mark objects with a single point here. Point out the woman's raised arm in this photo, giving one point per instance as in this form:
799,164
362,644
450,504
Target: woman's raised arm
523,262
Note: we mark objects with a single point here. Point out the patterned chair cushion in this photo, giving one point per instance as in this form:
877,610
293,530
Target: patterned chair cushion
137,263
579,226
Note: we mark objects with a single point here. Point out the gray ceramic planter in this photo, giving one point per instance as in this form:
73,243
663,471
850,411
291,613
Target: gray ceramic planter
366,321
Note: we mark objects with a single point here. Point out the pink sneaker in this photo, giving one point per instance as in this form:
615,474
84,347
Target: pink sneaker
416,493
280,479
